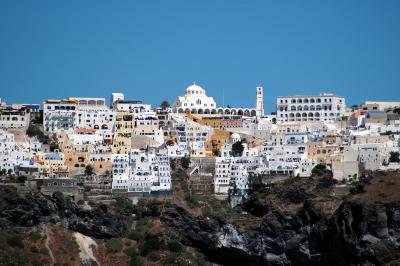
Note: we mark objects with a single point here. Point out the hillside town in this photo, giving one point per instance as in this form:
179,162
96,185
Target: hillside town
130,147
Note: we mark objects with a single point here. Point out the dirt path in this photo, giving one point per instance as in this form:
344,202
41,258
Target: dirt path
85,244
47,243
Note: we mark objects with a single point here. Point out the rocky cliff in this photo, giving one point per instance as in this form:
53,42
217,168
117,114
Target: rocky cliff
356,233
31,209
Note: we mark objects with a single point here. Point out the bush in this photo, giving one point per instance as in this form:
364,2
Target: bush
319,170
137,261
15,241
237,149
394,157
35,236
124,204
154,256
135,235
216,152
44,251
21,179
174,246
152,244
185,162
114,245
131,252
34,249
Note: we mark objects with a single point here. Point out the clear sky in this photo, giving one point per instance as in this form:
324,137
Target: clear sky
152,50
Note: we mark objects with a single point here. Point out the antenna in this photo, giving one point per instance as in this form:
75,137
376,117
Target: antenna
223,97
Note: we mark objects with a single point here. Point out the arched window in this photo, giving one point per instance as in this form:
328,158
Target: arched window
305,108
293,108
299,108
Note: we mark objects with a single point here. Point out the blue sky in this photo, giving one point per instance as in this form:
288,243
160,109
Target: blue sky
152,50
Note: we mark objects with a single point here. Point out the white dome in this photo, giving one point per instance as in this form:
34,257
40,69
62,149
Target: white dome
235,136
195,88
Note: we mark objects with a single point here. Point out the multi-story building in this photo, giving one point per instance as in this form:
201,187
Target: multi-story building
17,115
196,136
94,113
131,106
124,124
141,172
11,154
59,114
147,124
230,173
325,107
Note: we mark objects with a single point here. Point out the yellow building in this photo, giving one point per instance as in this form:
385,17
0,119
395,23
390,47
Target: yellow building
124,125
53,163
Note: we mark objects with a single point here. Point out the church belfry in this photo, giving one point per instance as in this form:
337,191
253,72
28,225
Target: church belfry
259,101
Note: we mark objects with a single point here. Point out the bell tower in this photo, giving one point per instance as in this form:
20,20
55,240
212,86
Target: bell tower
259,101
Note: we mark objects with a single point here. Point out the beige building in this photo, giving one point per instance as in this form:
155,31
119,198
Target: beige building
124,124
381,106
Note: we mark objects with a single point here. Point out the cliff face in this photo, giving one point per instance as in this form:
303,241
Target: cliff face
27,210
356,233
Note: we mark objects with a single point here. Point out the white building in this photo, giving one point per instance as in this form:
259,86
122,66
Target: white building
195,101
17,115
141,172
131,106
59,115
325,107
230,173
94,113
11,155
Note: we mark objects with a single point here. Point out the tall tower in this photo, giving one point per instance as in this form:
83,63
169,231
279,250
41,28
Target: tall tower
259,101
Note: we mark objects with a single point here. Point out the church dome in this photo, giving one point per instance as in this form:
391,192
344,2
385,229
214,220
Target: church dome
235,136
194,89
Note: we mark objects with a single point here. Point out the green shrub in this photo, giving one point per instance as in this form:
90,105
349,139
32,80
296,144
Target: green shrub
135,235
21,179
114,245
34,249
394,157
131,252
150,245
185,162
35,236
174,246
137,261
154,256
36,263
44,251
15,241
319,169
